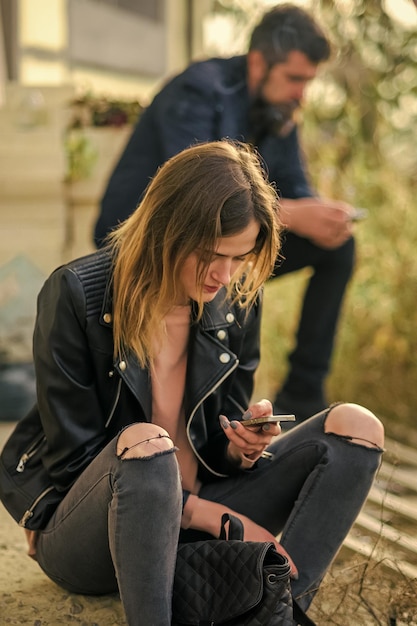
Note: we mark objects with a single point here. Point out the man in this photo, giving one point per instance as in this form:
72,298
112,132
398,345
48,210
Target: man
253,98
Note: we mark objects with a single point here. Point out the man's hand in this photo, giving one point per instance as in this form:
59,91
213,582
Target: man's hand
327,223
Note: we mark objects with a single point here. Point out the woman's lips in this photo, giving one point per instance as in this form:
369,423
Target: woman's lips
209,289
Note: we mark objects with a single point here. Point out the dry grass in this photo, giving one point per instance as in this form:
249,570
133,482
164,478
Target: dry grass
374,359
374,364
359,592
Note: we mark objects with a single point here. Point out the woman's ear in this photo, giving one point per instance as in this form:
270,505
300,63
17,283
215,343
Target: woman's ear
257,69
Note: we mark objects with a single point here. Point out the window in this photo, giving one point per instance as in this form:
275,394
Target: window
106,35
153,9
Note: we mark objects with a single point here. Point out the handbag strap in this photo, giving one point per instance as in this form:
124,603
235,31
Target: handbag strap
236,531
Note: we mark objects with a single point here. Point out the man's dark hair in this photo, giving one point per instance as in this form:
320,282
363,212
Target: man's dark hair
286,28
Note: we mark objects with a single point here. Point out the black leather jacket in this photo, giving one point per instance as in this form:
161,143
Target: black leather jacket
85,397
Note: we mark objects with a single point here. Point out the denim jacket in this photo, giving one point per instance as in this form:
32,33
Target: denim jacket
208,101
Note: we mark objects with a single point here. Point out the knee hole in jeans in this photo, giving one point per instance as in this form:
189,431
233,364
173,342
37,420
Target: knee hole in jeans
143,440
355,423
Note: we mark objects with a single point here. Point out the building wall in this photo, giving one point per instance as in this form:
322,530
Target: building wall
101,47
62,48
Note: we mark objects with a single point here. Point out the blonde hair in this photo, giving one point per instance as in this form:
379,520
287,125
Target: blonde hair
208,191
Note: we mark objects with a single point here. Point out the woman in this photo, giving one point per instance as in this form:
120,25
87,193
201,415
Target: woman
145,355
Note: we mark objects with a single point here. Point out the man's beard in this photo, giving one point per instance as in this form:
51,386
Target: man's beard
268,119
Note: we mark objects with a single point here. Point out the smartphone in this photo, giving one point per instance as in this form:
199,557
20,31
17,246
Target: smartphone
359,214
258,421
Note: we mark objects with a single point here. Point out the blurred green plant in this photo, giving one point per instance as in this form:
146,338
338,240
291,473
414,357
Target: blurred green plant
363,150
359,136
81,156
89,111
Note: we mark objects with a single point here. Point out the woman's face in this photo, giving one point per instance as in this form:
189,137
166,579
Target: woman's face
229,254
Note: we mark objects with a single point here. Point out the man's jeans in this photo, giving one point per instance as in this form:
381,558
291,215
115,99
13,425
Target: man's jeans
118,527
323,298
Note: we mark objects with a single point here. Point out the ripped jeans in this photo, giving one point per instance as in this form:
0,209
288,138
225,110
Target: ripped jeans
117,529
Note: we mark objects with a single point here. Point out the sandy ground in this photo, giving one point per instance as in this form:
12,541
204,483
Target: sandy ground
27,596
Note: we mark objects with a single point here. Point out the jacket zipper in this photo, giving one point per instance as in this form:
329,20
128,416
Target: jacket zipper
26,456
29,513
219,382
109,419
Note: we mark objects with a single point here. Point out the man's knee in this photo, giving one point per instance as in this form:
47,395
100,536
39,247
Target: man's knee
357,423
347,256
141,440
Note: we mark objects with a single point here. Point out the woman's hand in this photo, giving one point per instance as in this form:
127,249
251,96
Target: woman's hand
206,516
32,538
254,532
246,443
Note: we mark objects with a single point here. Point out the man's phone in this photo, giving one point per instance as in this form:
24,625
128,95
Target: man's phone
258,421
358,214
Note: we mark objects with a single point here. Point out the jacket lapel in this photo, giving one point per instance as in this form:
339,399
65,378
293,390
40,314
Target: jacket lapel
209,360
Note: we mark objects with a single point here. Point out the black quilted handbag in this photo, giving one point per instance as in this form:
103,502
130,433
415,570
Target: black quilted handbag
233,582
